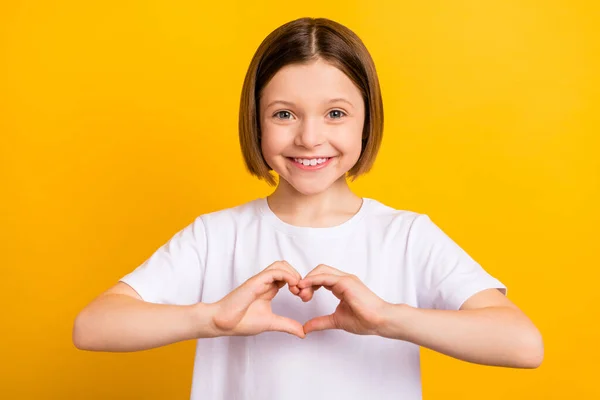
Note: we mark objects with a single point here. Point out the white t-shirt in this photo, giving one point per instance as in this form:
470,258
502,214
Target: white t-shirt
402,256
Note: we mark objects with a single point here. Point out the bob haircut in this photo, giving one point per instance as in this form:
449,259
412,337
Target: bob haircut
302,41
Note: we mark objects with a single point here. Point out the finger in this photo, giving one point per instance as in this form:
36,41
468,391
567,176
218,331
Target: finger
325,269
319,280
287,325
294,289
338,285
320,324
235,304
306,294
279,277
280,284
292,269
285,266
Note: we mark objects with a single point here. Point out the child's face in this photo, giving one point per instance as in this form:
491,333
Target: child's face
300,118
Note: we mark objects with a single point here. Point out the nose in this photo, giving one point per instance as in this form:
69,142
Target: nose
310,133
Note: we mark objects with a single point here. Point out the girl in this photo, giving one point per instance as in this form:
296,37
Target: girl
311,111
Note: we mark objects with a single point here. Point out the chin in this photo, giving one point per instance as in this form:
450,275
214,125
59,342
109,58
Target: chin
309,191
310,187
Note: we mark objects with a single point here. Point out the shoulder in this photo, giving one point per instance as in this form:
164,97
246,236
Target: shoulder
402,227
394,219
231,216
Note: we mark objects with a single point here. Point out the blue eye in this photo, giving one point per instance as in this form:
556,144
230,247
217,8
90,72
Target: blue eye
280,113
339,114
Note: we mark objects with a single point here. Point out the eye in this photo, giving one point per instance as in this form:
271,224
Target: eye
336,114
283,114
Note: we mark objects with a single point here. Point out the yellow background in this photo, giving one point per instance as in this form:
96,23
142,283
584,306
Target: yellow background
118,125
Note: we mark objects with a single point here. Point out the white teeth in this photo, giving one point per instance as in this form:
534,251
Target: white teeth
311,162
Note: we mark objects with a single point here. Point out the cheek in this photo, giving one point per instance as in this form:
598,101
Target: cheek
352,143
272,142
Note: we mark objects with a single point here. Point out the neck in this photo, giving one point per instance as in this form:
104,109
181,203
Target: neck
328,208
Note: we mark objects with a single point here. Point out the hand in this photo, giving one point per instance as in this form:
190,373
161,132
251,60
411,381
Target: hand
360,310
247,310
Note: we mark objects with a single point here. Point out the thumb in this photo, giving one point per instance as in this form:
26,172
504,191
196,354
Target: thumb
232,308
287,325
320,324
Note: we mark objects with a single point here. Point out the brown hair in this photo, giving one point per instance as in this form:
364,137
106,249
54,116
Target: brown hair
302,41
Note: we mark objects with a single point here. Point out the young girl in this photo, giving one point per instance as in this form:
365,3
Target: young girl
391,280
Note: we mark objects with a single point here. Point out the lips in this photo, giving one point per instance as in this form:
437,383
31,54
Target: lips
313,161
311,167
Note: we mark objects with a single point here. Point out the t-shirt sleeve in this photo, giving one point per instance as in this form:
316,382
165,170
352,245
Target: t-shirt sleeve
447,275
173,273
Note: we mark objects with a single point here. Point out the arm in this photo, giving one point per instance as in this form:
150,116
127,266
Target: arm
488,329
120,321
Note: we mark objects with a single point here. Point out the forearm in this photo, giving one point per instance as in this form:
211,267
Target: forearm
500,336
120,323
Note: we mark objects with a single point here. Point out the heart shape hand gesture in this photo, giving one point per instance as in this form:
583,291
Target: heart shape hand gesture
360,310
247,310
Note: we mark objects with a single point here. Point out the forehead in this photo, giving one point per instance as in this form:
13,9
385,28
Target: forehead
315,80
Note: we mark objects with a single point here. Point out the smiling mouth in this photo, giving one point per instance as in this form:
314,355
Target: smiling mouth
310,162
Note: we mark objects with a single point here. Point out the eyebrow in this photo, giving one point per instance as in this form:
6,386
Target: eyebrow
290,104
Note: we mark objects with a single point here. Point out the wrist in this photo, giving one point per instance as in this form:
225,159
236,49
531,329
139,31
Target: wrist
393,320
203,324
